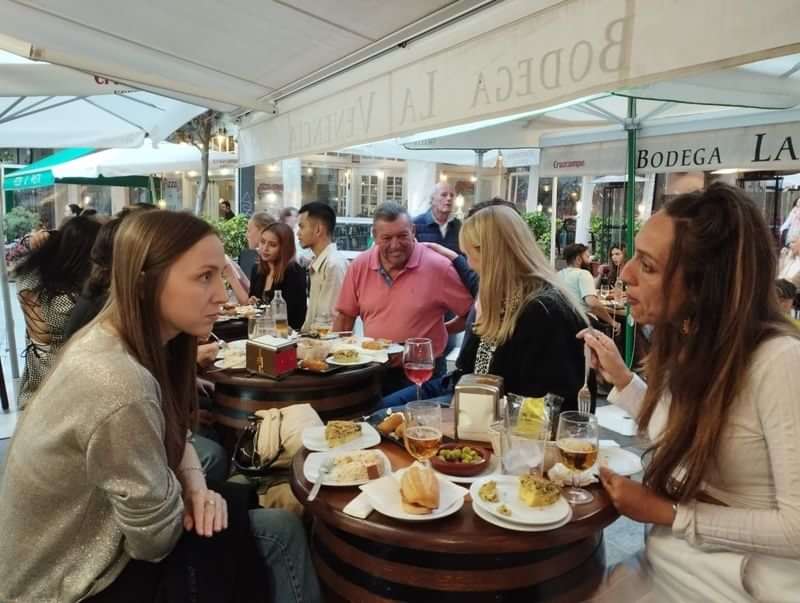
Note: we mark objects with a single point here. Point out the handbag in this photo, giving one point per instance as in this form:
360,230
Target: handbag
271,438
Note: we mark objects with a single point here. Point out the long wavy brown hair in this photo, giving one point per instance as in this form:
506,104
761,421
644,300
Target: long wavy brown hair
724,257
147,244
286,239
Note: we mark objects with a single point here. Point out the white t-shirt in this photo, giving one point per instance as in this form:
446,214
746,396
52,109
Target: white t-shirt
579,282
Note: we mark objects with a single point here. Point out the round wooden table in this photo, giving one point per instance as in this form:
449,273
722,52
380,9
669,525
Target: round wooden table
460,558
346,393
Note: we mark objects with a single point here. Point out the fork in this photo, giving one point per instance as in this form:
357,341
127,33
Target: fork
584,395
324,470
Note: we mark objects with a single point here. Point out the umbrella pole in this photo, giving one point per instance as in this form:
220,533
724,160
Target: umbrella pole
8,314
630,203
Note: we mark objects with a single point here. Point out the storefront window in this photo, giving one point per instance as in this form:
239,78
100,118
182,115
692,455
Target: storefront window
97,198
328,185
518,180
394,189
368,196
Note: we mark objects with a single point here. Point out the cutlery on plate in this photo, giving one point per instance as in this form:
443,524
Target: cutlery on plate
324,469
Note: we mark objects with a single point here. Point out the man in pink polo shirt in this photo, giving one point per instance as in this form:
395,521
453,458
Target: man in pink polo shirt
402,289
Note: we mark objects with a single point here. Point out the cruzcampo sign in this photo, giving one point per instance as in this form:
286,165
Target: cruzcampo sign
34,180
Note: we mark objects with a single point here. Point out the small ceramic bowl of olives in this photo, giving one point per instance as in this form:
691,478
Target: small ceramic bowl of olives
462,460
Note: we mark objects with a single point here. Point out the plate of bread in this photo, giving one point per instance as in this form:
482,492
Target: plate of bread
416,493
525,499
340,435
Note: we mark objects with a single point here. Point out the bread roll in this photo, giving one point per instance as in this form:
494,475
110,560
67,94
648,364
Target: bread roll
390,423
419,490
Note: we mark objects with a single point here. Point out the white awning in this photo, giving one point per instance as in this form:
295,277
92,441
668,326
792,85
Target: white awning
550,55
149,159
47,106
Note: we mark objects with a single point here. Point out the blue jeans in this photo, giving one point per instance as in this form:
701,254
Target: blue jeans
213,458
281,542
438,388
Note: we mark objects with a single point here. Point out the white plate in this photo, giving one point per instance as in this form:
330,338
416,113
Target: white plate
507,489
384,496
314,439
315,460
518,527
620,460
491,469
362,360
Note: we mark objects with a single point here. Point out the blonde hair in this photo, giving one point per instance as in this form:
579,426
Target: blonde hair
512,270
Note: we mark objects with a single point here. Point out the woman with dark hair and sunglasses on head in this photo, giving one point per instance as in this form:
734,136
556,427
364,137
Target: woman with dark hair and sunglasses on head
277,270
49,282
103,498
721,406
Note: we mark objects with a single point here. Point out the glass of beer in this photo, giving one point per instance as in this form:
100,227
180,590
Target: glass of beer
323,324
423,434
577,441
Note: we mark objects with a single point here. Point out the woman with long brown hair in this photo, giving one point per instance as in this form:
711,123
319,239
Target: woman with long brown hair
277,270
720,405
101,481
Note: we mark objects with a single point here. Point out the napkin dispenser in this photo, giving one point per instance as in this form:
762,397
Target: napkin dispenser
271,356
476,405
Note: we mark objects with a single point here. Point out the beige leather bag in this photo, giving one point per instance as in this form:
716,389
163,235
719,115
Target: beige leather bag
280,434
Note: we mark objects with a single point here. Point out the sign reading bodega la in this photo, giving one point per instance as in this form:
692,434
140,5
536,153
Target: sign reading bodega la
768,147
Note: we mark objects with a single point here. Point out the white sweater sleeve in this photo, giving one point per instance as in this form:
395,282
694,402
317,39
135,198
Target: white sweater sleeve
630,397
776,383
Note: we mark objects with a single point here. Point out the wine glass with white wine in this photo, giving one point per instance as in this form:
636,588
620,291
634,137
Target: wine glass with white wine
578,445
423,433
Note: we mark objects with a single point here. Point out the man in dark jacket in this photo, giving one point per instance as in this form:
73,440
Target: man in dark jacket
439,224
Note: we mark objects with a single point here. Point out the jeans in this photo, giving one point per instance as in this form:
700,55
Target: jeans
281,542
395,379
440,388
213,458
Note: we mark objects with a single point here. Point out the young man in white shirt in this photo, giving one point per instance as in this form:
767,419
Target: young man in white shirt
580,282
316,223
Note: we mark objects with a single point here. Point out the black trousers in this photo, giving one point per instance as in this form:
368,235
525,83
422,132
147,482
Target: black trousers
225,568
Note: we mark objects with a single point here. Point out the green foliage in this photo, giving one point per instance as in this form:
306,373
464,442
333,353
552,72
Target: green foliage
19,222
539,223
233,233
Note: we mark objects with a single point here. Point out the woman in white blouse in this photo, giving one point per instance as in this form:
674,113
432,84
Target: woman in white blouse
721,406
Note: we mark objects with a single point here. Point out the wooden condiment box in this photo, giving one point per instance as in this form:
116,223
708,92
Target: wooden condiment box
271,356
476,405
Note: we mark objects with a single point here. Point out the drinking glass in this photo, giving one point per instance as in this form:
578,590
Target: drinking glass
577,441
322,324
605,291
423,434
418,361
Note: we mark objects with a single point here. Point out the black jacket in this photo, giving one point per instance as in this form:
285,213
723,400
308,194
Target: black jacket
294,289
542,356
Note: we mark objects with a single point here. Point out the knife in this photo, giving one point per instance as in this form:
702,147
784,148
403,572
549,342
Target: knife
324,470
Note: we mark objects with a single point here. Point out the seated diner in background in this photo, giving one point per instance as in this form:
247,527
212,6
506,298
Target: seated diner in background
722,485
315,231
577,279
102,498
525,321
276,270
49,282
401,289
610,274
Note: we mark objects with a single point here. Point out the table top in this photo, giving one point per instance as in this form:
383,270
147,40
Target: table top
463,532
345,377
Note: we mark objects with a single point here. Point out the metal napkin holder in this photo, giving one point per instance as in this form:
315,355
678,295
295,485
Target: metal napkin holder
477,403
